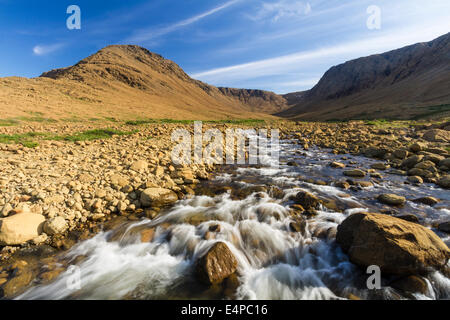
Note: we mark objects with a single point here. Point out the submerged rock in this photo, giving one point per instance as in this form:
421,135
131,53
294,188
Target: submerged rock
217,264
391,199
396,246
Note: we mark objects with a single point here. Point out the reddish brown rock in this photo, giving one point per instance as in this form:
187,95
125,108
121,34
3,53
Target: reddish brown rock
395,245
217,264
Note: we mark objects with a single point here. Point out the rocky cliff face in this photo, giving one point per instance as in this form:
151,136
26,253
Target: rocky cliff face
258,100
399,80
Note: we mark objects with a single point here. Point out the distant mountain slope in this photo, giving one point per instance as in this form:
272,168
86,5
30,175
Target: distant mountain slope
121,81
258,100
410,82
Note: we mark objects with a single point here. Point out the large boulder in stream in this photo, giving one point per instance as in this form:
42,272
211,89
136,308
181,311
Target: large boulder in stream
217,264
157,197
395,245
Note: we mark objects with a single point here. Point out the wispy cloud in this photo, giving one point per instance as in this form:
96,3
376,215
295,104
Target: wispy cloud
281,9
151,33
332,54
41,50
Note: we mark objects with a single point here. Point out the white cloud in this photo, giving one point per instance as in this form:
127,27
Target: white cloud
151,33
299,61
41,50
282,9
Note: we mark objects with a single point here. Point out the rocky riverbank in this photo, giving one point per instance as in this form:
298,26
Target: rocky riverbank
62,192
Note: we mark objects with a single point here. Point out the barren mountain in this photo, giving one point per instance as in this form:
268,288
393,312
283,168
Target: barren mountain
121,81
258,100
410,82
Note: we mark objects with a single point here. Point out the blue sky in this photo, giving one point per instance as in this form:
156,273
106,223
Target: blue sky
278,45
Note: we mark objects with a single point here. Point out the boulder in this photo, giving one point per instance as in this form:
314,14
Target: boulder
437,135
396,246
412,161
158,197
411,284
355,173
417,147
444,227
391,199
415,179
20,228
429,201
217,264
444,182
307,200
55,226
337,165
139,165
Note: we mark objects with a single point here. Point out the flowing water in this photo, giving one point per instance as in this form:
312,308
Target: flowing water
248,209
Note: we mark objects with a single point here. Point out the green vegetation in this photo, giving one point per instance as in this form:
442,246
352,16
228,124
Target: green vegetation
170,121
8,122
377,122
29,139
432,111
25,139
95,134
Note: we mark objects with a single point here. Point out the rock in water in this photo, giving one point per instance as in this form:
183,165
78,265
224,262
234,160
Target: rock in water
391,199
217,265
20,228
355,173
307,200
396,246
158,197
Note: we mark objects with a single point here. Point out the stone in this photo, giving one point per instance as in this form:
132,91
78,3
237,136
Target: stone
395,245
217,264
157,197
437,135
118,180
307,200
445,163
417,147
147,235
139,165
337,165
444,227
444,182
55,225
400,154
380,166
20,228
415,179
355,173
412,161
391,199
411,284
430,201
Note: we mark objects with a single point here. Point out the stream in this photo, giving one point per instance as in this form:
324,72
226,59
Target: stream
247,207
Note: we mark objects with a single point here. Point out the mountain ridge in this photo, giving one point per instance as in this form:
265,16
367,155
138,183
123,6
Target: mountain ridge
404,80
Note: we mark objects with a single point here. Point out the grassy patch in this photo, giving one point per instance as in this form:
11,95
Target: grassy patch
171,121
36,119
95,134
26,139
8,122
432,111
31,139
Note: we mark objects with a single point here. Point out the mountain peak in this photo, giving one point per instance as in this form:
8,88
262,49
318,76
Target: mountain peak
128,64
